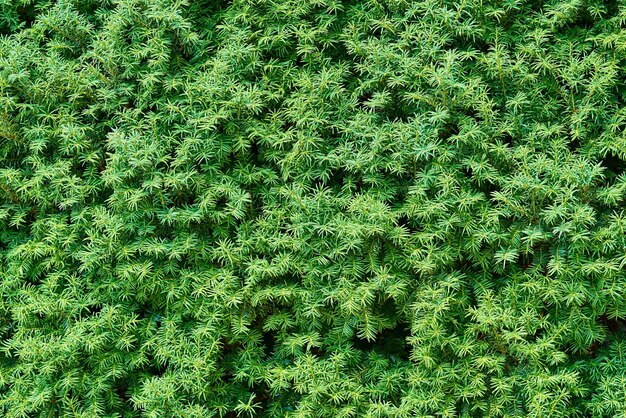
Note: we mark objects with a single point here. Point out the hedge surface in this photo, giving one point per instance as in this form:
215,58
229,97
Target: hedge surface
312,208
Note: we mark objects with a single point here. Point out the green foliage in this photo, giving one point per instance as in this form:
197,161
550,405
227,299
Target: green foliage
312,208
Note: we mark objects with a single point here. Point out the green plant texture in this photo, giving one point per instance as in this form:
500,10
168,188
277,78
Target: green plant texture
312,208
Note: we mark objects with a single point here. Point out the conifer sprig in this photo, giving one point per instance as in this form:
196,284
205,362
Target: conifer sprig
312,208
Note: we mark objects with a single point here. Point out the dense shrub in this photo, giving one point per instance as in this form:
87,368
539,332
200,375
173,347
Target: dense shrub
312,208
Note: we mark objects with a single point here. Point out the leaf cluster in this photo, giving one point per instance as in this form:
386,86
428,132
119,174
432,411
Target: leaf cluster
312,208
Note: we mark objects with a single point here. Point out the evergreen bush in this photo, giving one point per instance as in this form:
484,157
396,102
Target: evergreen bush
312,208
